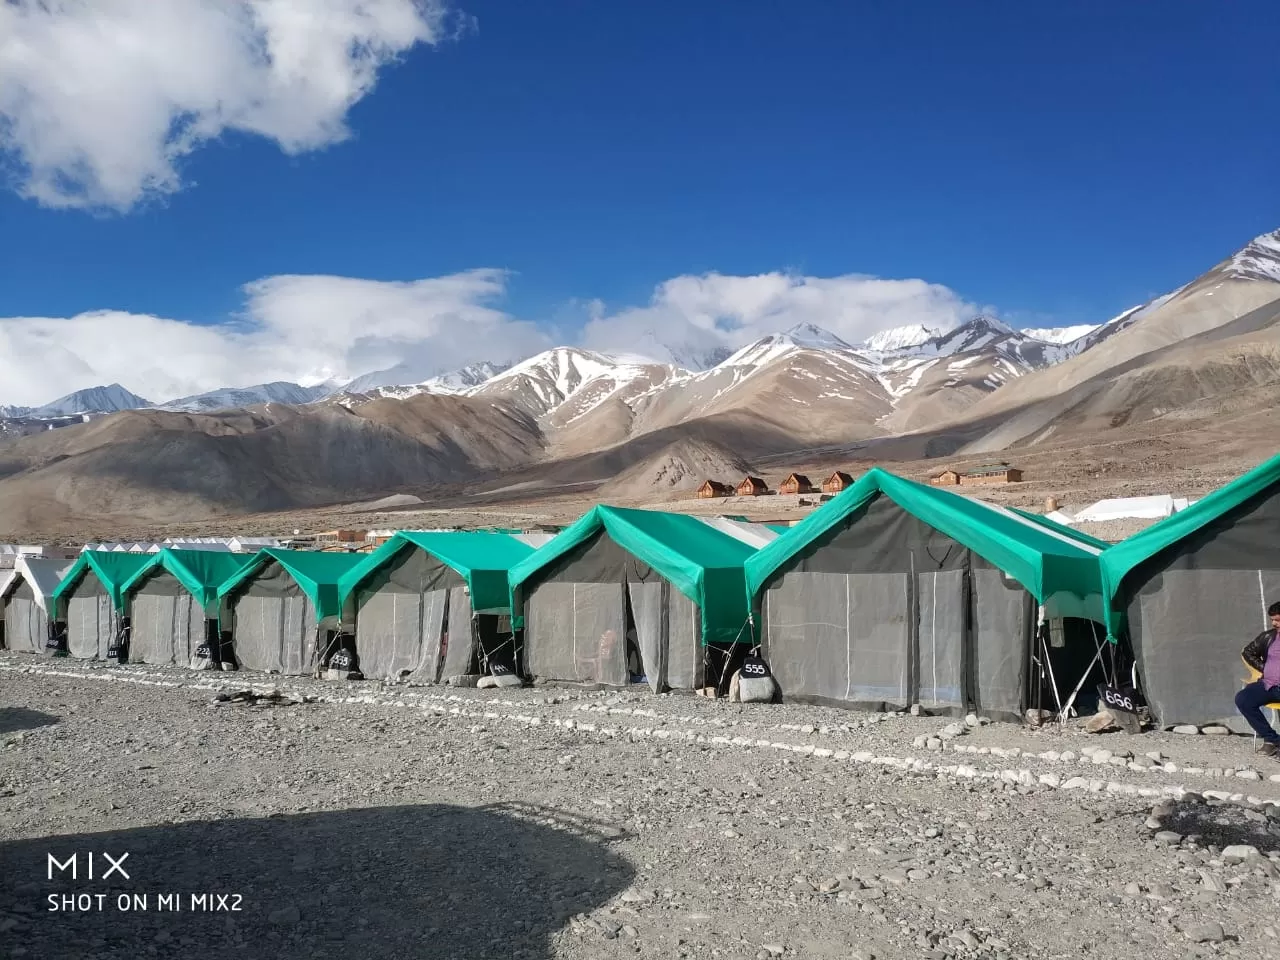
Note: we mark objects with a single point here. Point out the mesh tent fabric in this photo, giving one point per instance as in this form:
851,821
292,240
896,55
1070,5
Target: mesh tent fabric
459,652
27,595
273,622
166,622
577,618
26,625
91,617
1195,589
394,605
878,611
1215,515
1047,562
699,561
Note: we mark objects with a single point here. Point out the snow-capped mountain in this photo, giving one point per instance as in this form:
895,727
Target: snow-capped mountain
455,382
11,412
545,383
1259,260
108,399
229,398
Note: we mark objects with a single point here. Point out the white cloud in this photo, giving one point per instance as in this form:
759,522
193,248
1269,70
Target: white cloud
299,328
700,313
100,99
312,328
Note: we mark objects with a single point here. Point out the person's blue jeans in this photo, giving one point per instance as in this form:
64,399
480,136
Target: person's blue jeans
1249,702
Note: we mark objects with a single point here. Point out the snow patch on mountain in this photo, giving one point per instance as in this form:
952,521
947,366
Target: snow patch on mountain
1259,260
900,338
1059,335
106,399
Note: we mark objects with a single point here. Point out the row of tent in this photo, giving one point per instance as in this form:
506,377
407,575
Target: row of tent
889,594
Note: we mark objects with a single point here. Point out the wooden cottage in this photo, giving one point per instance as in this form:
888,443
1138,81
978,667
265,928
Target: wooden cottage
714,488
947,478
992,473
836,482
752,487
796,483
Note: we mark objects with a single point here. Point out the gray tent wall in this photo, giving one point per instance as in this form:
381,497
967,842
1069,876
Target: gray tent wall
576,615
400,616
1193,607
26,625
885,611
273,623
92,620
166,623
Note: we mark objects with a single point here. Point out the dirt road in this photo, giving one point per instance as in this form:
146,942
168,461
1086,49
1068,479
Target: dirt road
387,822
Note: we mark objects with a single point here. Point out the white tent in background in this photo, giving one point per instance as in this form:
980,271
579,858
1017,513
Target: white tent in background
251,544
1138,508
752,534
25,603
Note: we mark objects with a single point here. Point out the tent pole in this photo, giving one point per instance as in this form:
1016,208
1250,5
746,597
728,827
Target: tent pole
1048,665
1097,658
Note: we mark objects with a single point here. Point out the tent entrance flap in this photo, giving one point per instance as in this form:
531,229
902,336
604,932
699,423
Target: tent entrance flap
460,653
648,607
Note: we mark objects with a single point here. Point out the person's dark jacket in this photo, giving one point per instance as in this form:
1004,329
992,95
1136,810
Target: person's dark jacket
1255,654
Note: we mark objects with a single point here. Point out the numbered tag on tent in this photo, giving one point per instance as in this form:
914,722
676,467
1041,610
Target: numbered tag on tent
1126,699
753,666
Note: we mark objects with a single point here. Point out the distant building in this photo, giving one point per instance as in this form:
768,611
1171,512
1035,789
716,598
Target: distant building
714,488
752,487
343,536
837,481
992,473
947,478
796,483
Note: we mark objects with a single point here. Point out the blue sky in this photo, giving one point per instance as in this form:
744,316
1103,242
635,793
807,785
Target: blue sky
1058,163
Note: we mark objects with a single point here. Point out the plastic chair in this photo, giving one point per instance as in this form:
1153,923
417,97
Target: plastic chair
1255,675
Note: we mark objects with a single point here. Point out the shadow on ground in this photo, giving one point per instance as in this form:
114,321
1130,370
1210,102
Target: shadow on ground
390,882
15,719
1222,825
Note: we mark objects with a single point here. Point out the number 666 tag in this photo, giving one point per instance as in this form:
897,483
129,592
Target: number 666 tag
1126,699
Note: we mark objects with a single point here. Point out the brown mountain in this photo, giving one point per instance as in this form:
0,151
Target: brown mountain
570,421
167,466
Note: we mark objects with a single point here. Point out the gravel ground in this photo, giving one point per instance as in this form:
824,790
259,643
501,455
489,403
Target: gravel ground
377,821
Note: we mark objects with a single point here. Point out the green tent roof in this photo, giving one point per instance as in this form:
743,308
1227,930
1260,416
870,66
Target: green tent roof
482,558
317,573
200,571
112,569
700,561
1118,560
1051,564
